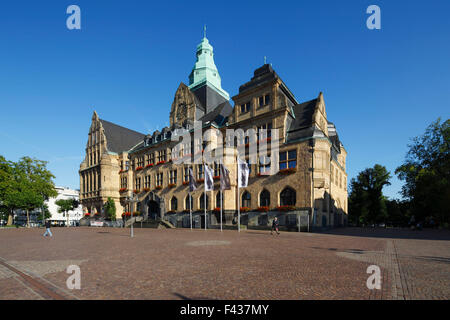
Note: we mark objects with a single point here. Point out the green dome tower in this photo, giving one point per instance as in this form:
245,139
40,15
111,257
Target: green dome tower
205,73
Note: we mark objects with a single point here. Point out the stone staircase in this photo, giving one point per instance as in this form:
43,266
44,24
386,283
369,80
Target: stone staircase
139,222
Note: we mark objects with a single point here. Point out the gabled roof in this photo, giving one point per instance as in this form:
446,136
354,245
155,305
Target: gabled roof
119,138
301,125
219,115
207,98
263,75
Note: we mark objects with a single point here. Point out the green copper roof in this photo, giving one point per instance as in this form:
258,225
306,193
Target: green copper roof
205,71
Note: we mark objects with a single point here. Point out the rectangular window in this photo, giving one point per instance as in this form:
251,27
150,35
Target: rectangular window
159,179
265,131
200,174
147,182
288,159
264,164
162,155
137,183
173,176
186,174
264,100
245,107
216,170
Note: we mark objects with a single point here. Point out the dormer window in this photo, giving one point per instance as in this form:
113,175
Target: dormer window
245,107
264,100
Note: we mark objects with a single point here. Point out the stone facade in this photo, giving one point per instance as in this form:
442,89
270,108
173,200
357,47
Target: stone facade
309,148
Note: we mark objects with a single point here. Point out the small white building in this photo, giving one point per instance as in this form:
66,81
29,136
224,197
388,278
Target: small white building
61,218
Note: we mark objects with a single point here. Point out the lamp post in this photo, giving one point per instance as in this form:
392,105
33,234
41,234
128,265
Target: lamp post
132,200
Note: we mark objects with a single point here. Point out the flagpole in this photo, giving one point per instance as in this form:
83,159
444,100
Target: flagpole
238,202
212,198
204,191
190,208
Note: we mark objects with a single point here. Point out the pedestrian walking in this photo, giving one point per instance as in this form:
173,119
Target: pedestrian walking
47,228
275,225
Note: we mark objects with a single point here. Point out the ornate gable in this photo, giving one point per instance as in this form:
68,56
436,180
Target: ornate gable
320,115
185,107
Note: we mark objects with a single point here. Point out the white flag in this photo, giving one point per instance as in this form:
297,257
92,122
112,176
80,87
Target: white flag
243,173
192,184
224,178
209,182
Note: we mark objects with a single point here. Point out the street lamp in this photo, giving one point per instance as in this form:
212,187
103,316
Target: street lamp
132,200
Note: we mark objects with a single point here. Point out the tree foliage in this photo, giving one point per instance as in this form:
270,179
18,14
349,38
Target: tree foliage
426,172
110,209
47,213
25,184
366,201
66,205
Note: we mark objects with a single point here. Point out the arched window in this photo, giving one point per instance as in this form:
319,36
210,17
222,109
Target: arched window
246,199
188,202
287,197
202,201
218,200
174,204
264,198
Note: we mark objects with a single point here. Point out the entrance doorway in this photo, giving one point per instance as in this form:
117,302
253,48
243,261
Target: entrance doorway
153,210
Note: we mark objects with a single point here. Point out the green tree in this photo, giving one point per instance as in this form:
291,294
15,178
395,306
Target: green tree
6,189
366,200
66,205
398,212
110,209
25,185
47,213
426,173
35,182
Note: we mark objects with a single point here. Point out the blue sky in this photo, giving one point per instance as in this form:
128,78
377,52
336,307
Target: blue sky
381,87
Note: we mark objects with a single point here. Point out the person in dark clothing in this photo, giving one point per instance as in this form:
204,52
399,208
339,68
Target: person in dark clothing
47,227
275,225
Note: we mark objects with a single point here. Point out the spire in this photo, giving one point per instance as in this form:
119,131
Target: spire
205,71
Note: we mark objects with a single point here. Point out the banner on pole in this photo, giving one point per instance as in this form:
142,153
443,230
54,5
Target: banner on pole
192,183
209,181
243,173
224,178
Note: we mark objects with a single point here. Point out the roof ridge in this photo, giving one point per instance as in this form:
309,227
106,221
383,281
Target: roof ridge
118,125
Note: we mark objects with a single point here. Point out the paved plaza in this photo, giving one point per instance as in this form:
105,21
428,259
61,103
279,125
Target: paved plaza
199,264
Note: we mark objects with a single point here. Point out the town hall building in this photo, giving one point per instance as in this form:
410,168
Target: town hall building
312,177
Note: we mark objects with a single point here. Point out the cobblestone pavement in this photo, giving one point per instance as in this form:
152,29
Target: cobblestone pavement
199,264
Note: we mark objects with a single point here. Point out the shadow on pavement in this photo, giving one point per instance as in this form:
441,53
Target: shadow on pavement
187,298
394,233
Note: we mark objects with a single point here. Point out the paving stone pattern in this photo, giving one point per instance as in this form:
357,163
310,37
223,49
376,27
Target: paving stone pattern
199,264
